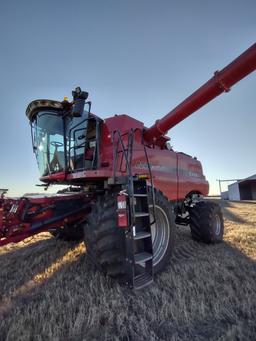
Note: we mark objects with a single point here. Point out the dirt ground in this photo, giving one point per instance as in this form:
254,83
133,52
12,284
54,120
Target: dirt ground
49,290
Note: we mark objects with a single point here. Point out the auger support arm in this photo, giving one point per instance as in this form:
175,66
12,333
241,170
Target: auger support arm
221,82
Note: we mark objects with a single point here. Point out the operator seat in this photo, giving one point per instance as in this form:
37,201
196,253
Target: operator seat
58,161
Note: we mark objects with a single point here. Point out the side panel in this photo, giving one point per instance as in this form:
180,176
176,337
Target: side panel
175,174
190,176
163,167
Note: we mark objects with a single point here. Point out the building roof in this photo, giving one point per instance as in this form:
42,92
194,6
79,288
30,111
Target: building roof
250,178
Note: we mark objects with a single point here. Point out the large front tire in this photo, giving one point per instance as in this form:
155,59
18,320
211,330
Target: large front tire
105,242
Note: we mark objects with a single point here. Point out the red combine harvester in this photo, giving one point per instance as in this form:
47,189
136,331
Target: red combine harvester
127,187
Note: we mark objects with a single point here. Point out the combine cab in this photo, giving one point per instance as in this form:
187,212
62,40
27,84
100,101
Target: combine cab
127,188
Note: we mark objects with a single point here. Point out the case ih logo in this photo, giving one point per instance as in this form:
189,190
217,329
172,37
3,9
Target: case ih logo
164,169
158,168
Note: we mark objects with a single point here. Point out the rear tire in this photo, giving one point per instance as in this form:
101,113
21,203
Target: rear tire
206,222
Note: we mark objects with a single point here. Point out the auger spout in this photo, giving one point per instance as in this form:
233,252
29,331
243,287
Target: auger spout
222,81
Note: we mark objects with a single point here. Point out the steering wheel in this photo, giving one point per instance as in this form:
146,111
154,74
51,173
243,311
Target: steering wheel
56,144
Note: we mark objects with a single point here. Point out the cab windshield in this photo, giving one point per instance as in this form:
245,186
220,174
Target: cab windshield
48,142
64,143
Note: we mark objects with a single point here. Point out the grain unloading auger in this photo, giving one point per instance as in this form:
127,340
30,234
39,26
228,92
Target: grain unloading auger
127,188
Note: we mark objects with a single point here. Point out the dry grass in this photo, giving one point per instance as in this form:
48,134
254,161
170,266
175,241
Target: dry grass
50,291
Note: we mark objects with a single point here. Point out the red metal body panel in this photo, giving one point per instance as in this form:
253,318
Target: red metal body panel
175,174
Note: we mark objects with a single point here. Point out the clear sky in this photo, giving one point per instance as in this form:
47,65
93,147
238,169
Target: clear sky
139,57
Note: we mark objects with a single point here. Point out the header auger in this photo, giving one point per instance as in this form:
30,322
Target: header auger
127,188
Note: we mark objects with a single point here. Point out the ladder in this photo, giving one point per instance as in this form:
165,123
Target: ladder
138,237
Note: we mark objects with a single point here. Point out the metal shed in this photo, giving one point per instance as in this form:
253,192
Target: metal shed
243,190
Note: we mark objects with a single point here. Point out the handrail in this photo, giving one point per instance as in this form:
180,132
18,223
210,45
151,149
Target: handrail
127,153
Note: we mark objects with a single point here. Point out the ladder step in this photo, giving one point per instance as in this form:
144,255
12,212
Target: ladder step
142,281
142,257
142,235
141,214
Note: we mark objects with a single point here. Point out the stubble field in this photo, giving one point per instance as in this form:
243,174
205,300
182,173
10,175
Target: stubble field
49,290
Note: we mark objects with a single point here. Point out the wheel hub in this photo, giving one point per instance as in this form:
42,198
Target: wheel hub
160,232
217,224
